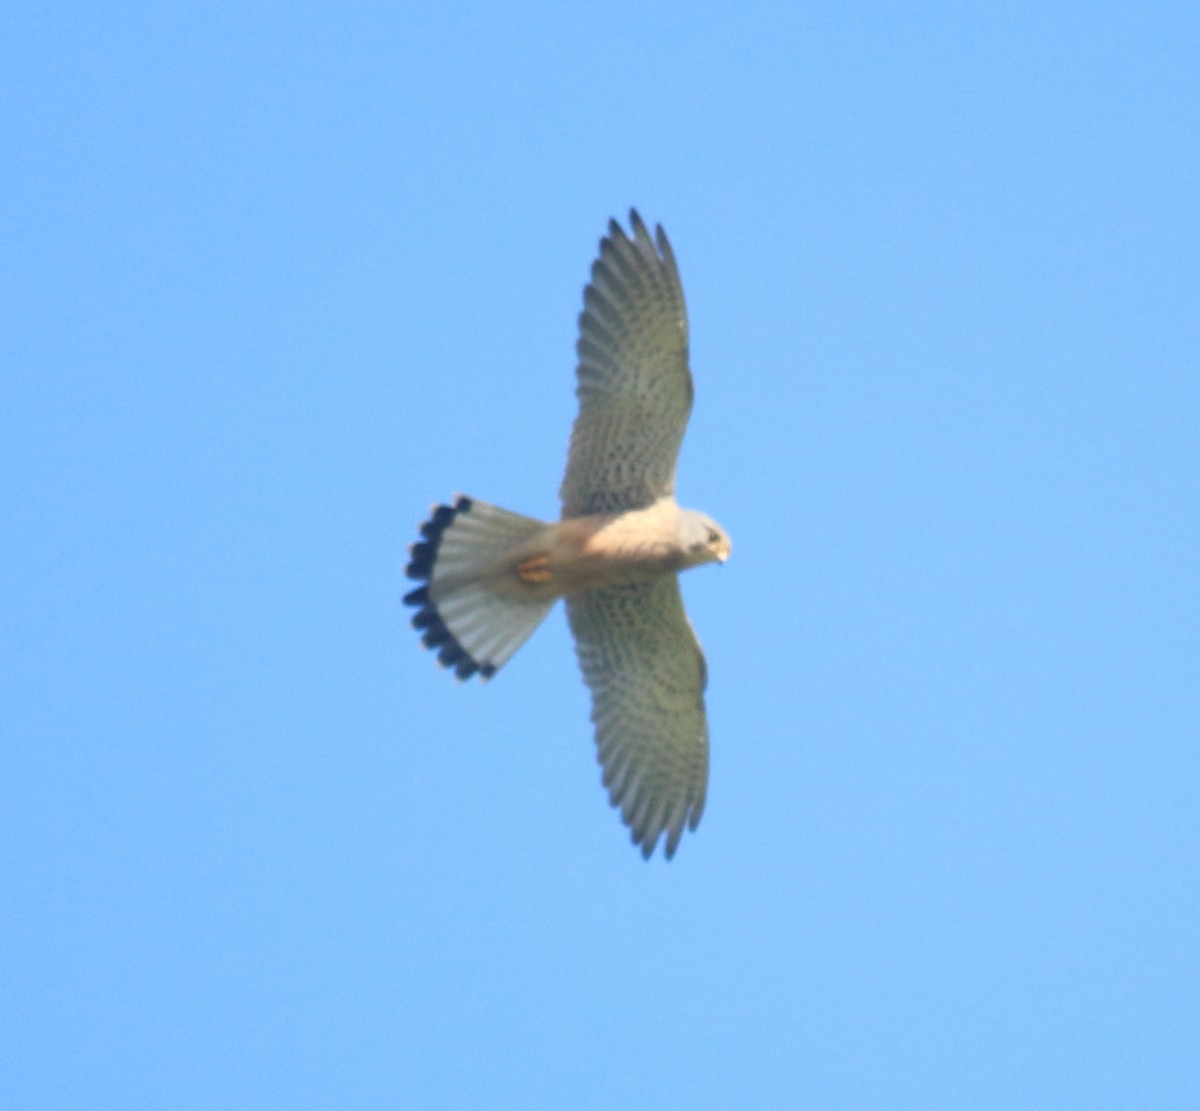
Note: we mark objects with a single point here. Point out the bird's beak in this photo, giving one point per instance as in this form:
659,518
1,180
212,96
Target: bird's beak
723,552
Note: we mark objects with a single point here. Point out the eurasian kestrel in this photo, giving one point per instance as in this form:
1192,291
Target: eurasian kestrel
491,576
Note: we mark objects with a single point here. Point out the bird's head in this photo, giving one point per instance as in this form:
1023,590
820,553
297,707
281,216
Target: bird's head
703,540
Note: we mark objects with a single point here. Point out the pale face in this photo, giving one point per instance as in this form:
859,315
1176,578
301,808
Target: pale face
702,539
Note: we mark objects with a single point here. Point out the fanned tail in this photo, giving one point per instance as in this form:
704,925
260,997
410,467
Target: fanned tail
460,614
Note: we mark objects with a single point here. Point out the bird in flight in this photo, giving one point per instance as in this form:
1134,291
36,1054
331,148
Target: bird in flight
489,576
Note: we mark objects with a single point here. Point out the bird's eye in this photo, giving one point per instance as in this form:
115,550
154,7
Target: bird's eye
713,536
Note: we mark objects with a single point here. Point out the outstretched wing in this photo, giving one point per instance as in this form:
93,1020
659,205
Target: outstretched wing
634,386
646,672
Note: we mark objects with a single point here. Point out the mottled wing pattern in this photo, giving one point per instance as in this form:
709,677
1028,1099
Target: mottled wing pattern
646,672
634,386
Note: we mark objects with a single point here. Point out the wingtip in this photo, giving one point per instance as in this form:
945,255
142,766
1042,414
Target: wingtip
664,245
658,243
646,842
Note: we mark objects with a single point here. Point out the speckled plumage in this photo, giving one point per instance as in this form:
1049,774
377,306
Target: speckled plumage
489,576
646,672
634,385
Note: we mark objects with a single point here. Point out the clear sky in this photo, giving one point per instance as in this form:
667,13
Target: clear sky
276,277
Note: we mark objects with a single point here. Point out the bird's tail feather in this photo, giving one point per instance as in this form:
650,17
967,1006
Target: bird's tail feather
460,613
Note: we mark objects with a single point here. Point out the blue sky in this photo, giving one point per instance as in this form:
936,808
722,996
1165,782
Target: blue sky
277,277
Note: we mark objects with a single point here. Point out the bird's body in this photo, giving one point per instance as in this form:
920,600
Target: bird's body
490,576
603,549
